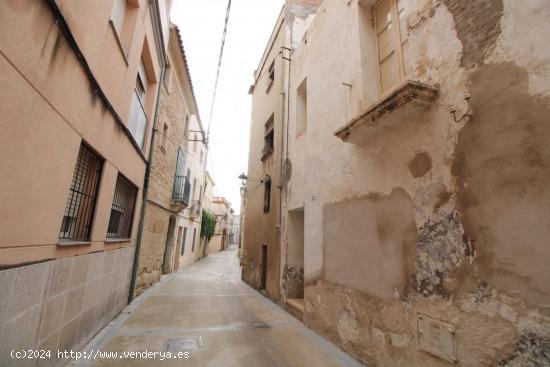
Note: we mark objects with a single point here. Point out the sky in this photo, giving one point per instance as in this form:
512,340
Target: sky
201,25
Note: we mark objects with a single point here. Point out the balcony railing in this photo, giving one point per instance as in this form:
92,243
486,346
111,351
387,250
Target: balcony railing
181,191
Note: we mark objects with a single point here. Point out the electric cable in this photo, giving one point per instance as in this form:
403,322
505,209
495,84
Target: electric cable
219,66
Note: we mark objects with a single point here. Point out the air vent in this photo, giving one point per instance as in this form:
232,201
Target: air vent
436,337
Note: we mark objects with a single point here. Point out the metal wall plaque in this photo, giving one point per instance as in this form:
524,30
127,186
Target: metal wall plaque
436,337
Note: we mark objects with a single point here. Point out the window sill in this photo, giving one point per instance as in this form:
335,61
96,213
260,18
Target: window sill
404,103
117,240
73,243
119,42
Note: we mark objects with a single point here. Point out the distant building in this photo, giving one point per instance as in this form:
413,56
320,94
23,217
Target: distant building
207,207
235,225
221,208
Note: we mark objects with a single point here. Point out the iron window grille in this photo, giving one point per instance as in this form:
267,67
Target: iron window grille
122,211
80,208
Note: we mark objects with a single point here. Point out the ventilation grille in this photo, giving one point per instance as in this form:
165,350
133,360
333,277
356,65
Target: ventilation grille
436,337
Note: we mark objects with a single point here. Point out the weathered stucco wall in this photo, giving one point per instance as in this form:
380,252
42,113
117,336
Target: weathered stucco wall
259,228
49,108
432,216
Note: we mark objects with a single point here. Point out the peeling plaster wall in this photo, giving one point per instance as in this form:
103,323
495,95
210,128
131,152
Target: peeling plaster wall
435,216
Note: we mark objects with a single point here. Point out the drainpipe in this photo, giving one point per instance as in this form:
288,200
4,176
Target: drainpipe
149,161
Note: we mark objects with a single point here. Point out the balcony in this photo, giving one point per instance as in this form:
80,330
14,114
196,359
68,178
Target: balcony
405,105
180,193
195,209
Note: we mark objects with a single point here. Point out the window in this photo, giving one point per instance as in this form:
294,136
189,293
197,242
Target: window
168,78
180,192
79,210
195,143
301,108
267,195
201,158
119,11
183,240
392,41
186,128
194,236
137,123
268,137
123,20
194,189
271,76
164,136
122,211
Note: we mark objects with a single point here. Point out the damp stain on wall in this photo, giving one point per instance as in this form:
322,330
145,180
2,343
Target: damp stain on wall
502,169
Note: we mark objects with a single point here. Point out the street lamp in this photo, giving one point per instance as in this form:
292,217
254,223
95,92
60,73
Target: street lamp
243,178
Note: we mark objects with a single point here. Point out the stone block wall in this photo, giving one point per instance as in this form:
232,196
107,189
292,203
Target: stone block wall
61,304
153,243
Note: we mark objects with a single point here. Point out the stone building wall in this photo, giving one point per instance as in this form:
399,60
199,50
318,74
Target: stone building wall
430,217
61,304
160,246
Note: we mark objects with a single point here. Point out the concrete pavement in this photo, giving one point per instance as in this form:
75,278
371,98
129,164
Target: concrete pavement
207,311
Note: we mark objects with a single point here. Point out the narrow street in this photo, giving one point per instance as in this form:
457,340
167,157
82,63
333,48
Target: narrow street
220,320
275,183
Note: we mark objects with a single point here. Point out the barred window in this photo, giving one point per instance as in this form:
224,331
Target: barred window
122,211
79,211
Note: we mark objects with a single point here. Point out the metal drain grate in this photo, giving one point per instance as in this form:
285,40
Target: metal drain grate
183,344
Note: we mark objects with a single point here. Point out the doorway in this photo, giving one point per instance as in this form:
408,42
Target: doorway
169,247
178,249
294,270
263,283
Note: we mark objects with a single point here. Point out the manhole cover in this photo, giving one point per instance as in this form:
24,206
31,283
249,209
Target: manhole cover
183,344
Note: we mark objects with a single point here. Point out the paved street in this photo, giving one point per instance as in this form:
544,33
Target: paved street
219,319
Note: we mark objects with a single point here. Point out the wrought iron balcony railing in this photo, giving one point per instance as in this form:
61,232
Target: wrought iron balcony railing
182,190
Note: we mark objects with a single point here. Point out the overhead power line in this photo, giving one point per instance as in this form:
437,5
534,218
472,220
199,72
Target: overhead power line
219,66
